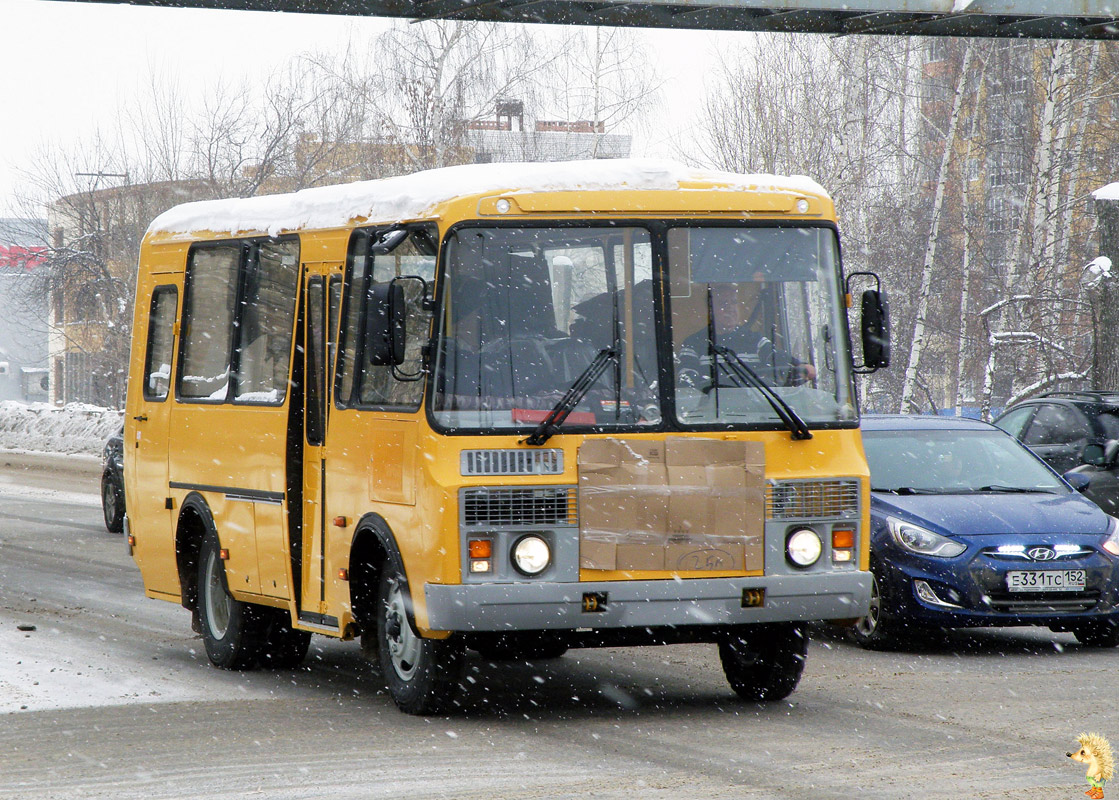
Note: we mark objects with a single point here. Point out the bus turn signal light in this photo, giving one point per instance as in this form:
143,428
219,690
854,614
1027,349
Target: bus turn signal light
481,551
842,546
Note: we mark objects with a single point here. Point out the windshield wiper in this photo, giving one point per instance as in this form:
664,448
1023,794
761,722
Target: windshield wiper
996,487
747,376
550,424
906,490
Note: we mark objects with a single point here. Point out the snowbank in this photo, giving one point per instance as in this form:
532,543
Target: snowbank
41,427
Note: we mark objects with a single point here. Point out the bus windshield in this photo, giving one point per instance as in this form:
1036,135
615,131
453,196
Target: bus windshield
763,301
526,310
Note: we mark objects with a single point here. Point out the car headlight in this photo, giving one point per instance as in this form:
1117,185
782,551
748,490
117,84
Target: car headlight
1111,543
531,555
916,539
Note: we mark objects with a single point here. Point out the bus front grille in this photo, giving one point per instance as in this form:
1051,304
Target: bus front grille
519,506
810,499
511,462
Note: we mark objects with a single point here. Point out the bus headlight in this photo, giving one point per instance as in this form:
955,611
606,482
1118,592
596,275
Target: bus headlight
531,555
803,547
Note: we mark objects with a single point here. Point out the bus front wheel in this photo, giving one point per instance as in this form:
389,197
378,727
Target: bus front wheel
764,662
421,674
234,632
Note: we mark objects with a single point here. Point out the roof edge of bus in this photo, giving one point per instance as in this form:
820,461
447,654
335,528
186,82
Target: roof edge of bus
416,196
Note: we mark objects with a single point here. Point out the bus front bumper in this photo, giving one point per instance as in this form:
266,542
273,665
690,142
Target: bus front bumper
650,603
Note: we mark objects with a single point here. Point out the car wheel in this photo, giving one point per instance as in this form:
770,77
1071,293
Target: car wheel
112,503
420,674
1097,634
878,629
764,662
233,632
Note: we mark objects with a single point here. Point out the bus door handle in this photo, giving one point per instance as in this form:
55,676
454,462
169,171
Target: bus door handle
141,418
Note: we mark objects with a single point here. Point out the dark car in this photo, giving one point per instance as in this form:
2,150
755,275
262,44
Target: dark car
969,528
1071,431
112,482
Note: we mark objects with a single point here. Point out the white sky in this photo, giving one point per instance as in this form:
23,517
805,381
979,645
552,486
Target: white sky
67,65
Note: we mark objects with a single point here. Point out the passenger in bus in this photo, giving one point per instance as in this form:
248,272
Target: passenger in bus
735,316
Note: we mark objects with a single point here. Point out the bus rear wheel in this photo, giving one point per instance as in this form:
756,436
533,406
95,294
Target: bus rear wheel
420,674
764,662
233,632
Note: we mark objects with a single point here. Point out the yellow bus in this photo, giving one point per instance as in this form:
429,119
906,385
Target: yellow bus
508,409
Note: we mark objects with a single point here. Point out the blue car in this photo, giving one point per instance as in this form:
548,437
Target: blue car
969,528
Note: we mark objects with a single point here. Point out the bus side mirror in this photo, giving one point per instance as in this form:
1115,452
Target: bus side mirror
384,327
876,329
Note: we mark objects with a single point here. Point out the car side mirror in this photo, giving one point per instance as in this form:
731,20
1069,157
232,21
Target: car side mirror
1093,455
1103,455
1078,480
385,324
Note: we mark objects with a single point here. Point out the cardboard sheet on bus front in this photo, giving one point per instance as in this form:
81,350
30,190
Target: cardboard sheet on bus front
679,504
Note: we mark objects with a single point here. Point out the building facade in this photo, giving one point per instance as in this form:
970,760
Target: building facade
24,373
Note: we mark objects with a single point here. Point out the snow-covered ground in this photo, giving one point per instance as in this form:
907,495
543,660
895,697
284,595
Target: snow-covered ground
44,428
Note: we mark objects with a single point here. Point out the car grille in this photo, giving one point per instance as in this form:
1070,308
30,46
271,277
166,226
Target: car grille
519,506
811,499
1027,554
1051,603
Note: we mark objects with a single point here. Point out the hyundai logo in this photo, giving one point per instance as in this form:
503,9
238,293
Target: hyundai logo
1041,553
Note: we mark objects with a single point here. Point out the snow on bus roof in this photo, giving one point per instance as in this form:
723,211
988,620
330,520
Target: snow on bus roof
410,197
1109,192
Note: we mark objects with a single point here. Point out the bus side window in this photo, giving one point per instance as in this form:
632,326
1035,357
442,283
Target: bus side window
351,324
378,385
208,309
161,338
267,315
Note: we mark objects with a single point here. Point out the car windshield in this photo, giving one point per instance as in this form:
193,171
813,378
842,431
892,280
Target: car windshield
526,311
954,462
766,297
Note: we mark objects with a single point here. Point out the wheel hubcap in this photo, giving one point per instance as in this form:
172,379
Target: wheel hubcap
867,625
217,600
109,498
403,643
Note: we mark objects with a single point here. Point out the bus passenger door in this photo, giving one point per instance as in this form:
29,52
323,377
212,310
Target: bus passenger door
321,294
151,517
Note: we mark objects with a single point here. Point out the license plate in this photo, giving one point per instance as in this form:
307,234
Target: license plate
1046,580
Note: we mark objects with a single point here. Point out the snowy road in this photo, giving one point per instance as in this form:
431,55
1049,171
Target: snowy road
110,696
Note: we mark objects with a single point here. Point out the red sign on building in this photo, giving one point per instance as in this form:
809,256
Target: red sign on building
17,257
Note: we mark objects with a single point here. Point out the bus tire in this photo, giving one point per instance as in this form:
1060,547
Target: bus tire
284,646
764,662
421,675
233,632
